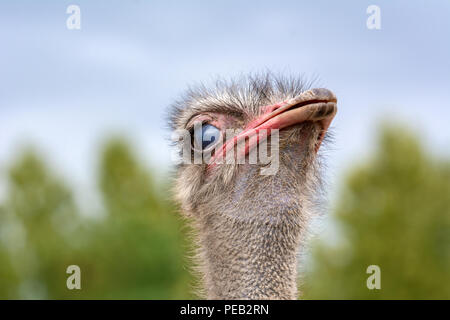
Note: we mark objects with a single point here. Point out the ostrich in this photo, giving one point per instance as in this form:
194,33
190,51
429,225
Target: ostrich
249,226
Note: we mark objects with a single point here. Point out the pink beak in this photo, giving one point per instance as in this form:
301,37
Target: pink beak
318,105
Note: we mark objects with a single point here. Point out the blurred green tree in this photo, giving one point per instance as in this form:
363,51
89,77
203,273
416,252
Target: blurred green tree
139,249
8,277
35,220
136,250
394,212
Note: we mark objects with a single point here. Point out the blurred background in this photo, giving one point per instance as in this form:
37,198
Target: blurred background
85,159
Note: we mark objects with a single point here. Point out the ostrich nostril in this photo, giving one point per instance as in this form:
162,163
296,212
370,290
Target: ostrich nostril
273,107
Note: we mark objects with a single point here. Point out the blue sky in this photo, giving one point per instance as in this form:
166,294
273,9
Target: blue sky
66,90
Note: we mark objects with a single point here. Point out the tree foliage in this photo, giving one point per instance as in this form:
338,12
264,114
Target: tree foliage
393,212
136,250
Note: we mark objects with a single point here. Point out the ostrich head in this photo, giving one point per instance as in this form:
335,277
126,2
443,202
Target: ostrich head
250,221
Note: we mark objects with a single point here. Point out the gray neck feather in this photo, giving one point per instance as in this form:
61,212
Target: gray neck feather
250,260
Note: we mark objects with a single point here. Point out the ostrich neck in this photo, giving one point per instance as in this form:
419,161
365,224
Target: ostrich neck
248,260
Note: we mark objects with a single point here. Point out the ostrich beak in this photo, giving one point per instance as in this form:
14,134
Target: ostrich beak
316,105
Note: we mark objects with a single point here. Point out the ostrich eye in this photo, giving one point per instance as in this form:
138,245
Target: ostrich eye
206,136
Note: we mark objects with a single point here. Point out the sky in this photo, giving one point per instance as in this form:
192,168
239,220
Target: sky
65,91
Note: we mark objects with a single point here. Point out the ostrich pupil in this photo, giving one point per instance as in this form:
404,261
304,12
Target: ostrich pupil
208,135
